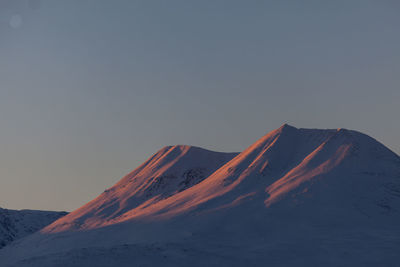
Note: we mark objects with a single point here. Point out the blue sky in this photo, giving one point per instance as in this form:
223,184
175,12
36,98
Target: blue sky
90,89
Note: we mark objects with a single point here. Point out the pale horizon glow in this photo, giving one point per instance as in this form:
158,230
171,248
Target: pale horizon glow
91,89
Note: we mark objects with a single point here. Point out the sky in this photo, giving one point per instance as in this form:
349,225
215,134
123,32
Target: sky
89,89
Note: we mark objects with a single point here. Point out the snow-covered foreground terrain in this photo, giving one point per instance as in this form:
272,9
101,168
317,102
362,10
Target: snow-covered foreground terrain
353,247
296,197
15,224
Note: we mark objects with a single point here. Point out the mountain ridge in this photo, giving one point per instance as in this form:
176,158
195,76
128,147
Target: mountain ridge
336,192
171,169
15,224
287,158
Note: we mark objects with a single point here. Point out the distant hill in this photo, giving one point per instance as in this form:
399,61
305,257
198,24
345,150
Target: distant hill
15,224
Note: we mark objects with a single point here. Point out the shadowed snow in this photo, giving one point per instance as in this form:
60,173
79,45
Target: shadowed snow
295,196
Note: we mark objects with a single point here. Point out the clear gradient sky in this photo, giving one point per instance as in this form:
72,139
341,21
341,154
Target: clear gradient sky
90,89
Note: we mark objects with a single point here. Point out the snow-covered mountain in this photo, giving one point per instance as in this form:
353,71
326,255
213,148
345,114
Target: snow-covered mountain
15,224
171,170
296,197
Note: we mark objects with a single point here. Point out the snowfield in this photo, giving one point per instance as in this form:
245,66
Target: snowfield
296,197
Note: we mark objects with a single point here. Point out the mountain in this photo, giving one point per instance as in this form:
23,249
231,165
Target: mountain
296,197
171,170
15,224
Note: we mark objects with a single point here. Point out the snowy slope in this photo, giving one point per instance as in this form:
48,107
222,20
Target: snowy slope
15,224
171,170
295,197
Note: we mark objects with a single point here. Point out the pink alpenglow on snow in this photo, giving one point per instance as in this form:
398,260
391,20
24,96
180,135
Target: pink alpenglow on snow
171,170
330,197
286,165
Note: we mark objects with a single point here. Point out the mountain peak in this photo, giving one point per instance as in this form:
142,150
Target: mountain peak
291,177
286,126
187,148
180,178
171,170
181,147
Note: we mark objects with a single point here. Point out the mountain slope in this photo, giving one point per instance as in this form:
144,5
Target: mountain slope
284,162
171,170
295,197
15,224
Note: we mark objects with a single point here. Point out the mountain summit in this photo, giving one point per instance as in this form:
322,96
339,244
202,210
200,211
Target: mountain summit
287,165
335,187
